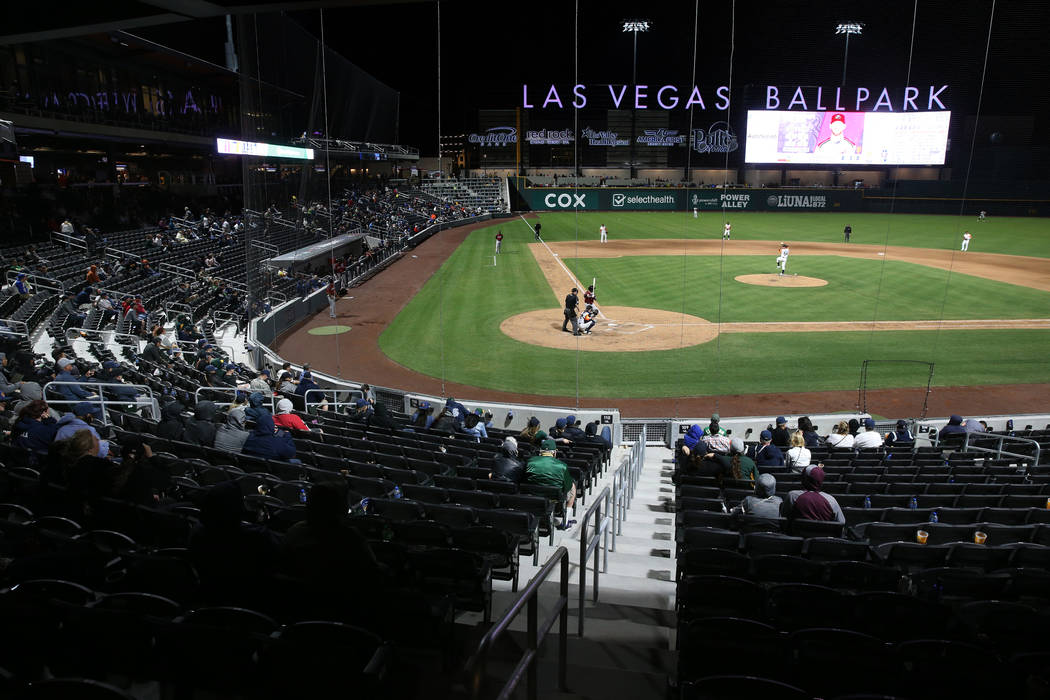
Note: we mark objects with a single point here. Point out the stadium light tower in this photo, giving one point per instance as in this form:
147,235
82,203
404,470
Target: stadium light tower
634,26
848,28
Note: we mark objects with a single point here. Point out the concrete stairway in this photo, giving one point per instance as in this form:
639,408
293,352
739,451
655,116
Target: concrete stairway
626,651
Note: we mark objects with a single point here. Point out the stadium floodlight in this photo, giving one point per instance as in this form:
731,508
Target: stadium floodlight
634,26
848,28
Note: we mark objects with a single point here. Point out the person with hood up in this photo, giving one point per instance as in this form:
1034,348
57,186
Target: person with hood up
201,430
692,438
286,419
381,418
255,409
171,425
81,418
765,503
506,465
31,391
35,429
269,443
954,428
232,435
811,503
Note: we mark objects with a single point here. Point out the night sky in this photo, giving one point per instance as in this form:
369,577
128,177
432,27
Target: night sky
486,53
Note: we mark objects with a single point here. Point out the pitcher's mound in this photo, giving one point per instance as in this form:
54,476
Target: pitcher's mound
775,280
620,329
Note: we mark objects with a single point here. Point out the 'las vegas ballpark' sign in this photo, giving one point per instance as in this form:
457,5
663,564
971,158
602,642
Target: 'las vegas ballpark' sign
802,97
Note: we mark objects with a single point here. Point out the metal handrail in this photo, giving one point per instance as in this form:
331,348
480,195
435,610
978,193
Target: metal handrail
154,407
196,395
34,280
998,450
133,341
9,330
602,526
324,395
624,481
177,270
178,306
474,670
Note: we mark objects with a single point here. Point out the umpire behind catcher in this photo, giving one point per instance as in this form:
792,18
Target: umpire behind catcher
572,302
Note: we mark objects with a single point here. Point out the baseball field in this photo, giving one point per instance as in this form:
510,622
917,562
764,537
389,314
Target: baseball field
684,313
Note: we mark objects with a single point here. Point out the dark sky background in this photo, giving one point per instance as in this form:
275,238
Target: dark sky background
488,50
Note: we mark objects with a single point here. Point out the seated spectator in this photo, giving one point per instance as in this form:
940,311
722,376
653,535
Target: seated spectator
306,383
798,456
528,433
781,434
231,435
765,503
840,439
31,391
75,461
381,418
424,416
805,426
736,465
286,419
854,427
285,384
6,385
867,438
35,429
69,306
545,469
573,431
201,430
171,425
766,454
953,430
325,551
592,435
81,418
506,465
713,428
360,410
717,443
811,502
230,556
901,436
473,425
268,442
105,305
255,409
113,373
92,276
261,383
152,353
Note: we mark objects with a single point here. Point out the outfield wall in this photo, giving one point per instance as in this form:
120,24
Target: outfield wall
769,199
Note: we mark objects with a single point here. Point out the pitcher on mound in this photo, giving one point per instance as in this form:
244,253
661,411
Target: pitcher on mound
782,259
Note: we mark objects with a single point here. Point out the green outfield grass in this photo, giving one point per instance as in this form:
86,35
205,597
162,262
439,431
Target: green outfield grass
1010,235
451,328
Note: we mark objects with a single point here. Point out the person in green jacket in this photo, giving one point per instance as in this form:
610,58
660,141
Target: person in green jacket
545,469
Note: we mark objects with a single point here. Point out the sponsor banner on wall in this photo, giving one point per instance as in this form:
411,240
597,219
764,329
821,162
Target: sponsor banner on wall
704,199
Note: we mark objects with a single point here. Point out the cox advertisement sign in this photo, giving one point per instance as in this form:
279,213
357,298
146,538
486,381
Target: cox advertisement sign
565,199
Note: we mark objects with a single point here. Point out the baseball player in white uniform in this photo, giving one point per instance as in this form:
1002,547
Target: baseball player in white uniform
696,213
604,233
782,259
981,216
725,234
966,241
588,318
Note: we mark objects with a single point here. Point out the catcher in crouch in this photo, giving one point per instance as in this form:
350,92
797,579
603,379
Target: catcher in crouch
588,318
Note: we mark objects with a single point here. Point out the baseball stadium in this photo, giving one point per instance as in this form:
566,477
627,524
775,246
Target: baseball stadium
415,350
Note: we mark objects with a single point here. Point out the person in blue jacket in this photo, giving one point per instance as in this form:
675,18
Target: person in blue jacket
766,454
35,429
72,392
268,442
692,437
954,430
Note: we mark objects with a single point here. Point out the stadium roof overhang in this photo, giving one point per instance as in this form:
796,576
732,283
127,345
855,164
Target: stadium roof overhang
40,22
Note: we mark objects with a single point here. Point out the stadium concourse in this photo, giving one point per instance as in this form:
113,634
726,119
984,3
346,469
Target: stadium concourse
183,512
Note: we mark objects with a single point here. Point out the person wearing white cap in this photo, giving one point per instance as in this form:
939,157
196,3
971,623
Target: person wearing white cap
286,419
